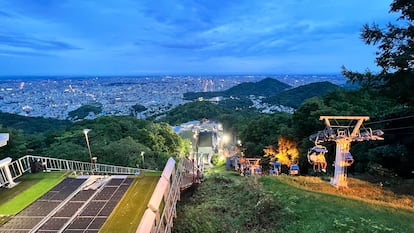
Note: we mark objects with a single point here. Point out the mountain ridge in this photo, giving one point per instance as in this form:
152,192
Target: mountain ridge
265,87
295,96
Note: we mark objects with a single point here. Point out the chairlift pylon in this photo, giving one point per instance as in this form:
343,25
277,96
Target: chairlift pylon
343,130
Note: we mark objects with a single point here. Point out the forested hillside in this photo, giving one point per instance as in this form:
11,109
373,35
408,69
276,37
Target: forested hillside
32,124
274,92
265,87
119,140
113,140
295,96
386,97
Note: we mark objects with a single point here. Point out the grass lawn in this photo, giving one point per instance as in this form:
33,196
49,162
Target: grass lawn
30,188
128,213
318,207
227,202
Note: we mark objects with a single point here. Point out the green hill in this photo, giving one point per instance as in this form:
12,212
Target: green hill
32,124
227,202
194,111
295,96
265,87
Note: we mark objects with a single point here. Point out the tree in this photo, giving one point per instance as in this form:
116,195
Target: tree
395,55
306,117
288,152
263,130
16,147
137,108
83,111
116,140
194,111
124,152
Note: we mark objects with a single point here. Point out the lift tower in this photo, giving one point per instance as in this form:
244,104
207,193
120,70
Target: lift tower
343,130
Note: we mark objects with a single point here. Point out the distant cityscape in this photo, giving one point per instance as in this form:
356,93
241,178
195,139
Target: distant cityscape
55,97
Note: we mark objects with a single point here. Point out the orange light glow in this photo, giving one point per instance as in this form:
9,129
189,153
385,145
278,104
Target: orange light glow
287,152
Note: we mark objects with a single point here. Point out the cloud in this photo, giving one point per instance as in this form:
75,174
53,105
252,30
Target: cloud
5,14
19,41
6,52
185,34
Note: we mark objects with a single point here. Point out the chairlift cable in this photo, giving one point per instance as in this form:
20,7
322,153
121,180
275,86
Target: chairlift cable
392,119
407,133
405,127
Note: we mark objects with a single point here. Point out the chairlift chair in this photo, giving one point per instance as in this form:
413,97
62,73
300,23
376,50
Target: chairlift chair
294,169
349,159
276,168
316,149
316,157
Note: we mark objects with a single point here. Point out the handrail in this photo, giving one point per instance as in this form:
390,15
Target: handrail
22,165
155,220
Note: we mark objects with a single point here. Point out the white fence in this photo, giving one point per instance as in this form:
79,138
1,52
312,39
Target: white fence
10,170
165,195
167,191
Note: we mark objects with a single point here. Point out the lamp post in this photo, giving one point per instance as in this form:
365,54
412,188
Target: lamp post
142,158
86,131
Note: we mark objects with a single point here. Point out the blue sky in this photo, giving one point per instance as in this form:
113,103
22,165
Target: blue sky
138,37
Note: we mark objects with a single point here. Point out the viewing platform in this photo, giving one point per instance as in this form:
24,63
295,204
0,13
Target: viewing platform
99,197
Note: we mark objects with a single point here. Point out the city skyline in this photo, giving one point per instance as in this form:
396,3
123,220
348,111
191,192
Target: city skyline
184,37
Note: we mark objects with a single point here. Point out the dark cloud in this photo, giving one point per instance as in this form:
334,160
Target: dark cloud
5,14
205,34
24,53
34,43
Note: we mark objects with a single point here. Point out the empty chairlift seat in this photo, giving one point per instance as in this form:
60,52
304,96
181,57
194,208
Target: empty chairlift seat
294,169
349,160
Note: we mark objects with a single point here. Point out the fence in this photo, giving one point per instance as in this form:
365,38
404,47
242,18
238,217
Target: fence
166,194
10,170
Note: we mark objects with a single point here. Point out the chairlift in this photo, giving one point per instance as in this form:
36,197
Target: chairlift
342,133
294,169
276,168
276,164
369,134
349,160
316,157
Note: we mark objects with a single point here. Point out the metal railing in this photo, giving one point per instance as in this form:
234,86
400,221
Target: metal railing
22,165
168,190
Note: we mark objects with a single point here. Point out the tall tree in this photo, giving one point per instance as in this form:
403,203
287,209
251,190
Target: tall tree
395,55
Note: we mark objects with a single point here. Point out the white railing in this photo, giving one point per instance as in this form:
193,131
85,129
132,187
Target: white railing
20,166
167,191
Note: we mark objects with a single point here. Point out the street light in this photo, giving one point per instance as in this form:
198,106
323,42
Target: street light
142,158
86,131
226,139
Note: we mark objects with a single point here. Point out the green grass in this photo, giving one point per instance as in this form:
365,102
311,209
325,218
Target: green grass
147,173
323,211
227,202
30,188
128,213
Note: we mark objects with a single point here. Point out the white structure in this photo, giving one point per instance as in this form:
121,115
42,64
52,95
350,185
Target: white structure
344,130
6,176
161,211
20,166
4,138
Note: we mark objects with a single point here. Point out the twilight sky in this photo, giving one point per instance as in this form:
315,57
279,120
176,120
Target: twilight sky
138,37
